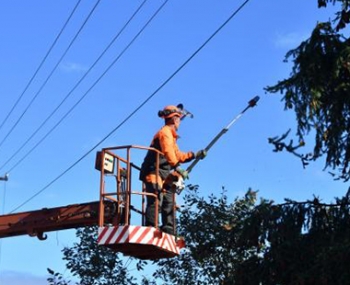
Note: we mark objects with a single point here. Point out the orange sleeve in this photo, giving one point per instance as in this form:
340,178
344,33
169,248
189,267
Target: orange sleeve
183,156
170,149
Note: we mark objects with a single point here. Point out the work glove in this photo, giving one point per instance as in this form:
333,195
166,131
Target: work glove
201,154
182,172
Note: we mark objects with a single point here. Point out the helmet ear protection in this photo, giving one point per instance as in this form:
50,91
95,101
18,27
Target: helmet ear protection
171,111
180,106
167,113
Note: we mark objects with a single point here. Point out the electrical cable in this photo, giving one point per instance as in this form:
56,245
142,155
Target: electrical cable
51,73
75,105
89,90
75,86
137,108
41,64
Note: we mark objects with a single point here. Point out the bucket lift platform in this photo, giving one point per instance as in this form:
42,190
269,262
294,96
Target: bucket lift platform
142,242
112,213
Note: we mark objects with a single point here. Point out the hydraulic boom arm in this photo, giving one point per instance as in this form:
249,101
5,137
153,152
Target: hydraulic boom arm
36,223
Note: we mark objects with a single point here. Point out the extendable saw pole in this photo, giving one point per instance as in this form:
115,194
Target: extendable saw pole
251,104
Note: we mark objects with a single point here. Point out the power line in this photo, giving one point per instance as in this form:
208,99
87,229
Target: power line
75,86
52,72
76,104
41,64
89,90
139,107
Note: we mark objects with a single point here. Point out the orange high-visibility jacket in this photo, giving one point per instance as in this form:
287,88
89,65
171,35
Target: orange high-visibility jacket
164,141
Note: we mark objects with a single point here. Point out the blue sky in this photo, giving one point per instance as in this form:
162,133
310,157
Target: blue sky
215,85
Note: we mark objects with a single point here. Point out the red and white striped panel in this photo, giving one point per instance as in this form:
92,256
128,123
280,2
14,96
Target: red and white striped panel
137,235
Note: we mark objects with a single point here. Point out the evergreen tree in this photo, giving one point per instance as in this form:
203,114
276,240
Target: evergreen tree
318,90
250,242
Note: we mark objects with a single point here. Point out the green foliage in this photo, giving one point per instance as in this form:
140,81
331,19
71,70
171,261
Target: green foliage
56,278
92,264
319,92
213,250
305,243
342,17
240,243
244,242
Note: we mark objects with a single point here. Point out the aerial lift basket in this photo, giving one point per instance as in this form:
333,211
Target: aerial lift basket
143,242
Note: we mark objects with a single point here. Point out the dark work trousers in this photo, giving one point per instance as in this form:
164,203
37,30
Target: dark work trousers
166,208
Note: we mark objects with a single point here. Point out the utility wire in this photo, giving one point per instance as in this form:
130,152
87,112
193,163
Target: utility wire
76,104
88,91
75,86
52,72
41,64
139,107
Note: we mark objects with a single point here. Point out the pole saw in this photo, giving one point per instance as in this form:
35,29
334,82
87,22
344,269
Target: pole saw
179,184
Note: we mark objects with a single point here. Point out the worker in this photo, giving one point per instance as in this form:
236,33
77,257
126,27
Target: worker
170,159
